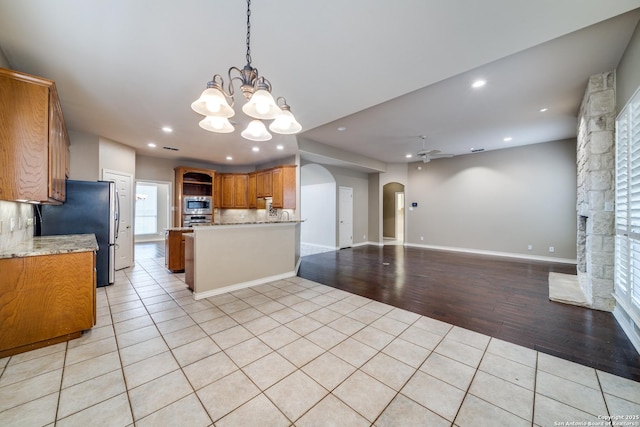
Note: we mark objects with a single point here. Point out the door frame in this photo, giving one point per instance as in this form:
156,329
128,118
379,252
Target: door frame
345,243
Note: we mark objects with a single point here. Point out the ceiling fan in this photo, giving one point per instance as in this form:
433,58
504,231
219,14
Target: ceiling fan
427,155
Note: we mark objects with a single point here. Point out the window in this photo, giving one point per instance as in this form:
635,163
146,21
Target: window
146,209
627,218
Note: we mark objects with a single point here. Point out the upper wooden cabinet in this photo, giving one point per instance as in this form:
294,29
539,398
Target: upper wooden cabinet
34,143
235,191
284,187
252,195
191,182
264,183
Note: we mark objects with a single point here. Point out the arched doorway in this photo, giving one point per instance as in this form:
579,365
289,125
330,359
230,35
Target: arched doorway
393,225
317,209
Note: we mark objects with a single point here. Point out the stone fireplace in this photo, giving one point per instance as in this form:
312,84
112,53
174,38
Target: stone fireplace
595,194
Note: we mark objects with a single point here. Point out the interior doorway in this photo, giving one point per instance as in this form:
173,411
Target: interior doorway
393,221
152,210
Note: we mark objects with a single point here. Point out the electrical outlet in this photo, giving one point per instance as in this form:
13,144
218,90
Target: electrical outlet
12,224
530,247
364,237
421,237
29,222
552,249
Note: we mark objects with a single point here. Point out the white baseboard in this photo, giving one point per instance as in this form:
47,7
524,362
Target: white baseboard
238,286
493,253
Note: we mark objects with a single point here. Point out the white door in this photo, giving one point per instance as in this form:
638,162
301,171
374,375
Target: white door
345,216
124,242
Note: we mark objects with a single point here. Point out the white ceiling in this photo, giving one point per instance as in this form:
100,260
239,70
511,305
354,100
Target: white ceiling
387,71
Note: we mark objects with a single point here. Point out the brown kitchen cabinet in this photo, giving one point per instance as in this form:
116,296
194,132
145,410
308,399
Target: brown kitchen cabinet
192,182
174,249
45,300
284,187
34,140
252,195
234,191
263,183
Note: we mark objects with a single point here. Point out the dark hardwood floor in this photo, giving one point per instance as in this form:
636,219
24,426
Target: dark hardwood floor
504,298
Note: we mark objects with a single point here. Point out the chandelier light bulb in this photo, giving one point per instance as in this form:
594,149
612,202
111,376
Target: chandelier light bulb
262,106
216,124
212,102
285,124
256,131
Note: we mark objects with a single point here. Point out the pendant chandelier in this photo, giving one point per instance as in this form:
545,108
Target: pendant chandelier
216,102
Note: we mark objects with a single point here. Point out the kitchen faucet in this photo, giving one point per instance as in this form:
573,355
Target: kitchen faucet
282,214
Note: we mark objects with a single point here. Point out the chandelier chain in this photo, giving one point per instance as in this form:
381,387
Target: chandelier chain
249,32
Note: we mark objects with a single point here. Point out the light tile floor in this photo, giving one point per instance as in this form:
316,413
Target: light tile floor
292,352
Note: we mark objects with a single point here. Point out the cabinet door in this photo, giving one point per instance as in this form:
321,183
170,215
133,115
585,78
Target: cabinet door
252,197
284,187
227,200
217,191
58,151
241,184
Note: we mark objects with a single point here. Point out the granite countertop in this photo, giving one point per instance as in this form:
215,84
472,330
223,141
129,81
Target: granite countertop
215,224
51,245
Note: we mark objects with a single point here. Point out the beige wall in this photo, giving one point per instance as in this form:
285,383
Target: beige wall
84,152
628,71
116,157
497,201
4,63
359,181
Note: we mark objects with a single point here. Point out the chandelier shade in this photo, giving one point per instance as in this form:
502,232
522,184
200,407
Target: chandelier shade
216,124
212,102
261,105
285,123
217,103
256,131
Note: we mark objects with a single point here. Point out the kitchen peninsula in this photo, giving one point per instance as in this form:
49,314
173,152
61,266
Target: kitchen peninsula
225,257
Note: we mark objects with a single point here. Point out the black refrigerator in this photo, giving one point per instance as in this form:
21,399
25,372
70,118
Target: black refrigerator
91,207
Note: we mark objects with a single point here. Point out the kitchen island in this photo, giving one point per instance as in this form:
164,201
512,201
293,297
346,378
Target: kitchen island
221,258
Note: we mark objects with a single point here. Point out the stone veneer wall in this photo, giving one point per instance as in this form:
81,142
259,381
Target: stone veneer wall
595,198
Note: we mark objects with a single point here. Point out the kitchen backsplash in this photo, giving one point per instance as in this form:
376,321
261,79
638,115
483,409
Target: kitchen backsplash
20,212
252,215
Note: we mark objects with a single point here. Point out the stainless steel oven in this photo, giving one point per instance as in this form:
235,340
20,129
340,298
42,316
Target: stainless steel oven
191,220
197,205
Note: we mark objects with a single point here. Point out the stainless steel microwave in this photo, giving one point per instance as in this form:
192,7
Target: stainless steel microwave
197,205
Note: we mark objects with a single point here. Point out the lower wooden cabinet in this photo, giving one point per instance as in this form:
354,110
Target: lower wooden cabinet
174,246
45,300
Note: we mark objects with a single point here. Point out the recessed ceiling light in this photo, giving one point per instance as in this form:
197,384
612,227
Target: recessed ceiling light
507,139
342,129
255,149
167,129
229,158
542,110
408,156
151,144
478,83
280,147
